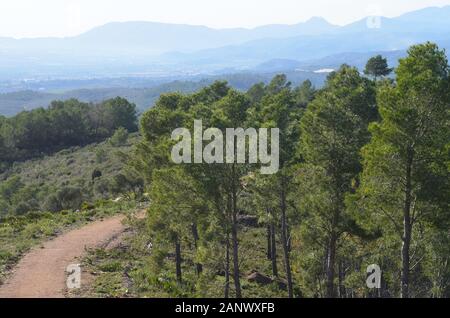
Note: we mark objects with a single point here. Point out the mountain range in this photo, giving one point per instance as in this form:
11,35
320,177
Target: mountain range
151,38
142,55
152,49
366,35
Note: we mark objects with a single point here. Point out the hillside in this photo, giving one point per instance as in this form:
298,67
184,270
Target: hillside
67,179
334,61
13,103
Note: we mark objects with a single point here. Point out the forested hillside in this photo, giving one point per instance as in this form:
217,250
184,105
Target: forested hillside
62,125
364,179
68,154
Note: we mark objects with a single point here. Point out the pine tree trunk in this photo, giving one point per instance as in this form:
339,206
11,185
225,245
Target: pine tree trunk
284,240
405,262
407,229
288,235
342,293
269,242
234,237
178,260
331,260
227,267
198,266
273,250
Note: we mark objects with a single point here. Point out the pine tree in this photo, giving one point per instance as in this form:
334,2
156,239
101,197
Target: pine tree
377,67
405,179
333,130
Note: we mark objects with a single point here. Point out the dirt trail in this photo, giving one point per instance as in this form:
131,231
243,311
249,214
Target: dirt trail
41,272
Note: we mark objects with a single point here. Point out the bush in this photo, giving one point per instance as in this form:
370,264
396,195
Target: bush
101,188
4,207
86,206
70,198
22,208
119,138
53,204
111,267
101,155
126,183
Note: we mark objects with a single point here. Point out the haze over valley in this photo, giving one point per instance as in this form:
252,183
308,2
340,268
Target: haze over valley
135,56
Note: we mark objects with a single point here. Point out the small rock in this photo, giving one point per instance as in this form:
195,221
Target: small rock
259,278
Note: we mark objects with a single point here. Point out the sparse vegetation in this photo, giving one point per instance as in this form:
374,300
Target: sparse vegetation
138,269
67,179
20,233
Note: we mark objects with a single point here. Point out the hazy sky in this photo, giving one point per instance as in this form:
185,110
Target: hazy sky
35,18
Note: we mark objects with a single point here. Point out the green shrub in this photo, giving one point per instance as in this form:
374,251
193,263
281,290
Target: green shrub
22,208
102,187
101,155
111,267
70,198
119,138
86,206
52,203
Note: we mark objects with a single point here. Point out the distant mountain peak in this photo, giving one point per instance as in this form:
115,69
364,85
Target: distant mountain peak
317,20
